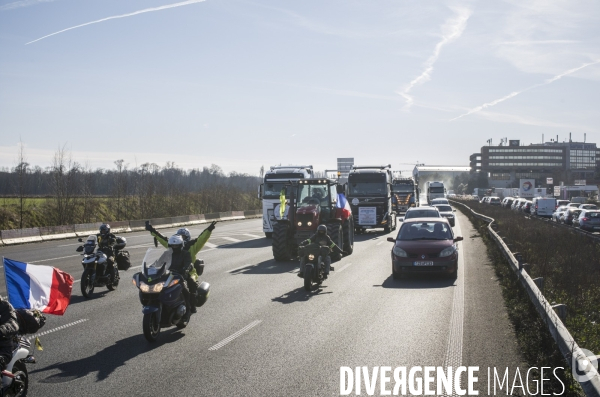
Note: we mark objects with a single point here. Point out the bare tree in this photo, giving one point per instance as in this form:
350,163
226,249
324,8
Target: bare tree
21,174
62,183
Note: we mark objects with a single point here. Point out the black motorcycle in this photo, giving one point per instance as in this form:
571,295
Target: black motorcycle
314,265
161,293
96,270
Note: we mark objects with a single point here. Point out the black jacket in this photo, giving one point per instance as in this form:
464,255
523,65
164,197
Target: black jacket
9,326
323,241
181,262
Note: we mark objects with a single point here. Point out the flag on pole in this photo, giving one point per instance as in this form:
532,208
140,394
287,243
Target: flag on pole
343,205
44,288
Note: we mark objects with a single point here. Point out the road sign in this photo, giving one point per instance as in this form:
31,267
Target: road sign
556,191
549,181
579,182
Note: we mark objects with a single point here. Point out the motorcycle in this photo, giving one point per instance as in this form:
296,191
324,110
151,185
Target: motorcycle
161,293
314,264
96,270
15,379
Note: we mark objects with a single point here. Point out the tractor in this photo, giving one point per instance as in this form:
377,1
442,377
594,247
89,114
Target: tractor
312,202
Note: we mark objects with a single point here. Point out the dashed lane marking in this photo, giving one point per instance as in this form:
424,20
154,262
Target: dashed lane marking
381,242
251,235
342,268
210,245
235,240
30,337
234,336
54,259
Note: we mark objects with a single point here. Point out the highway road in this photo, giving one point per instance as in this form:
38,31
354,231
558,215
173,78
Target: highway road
260,333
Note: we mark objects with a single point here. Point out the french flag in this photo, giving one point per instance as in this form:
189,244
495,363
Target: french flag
43,288
343,205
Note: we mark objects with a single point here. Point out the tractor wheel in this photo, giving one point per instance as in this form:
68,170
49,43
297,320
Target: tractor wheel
282,250
334,231
348,237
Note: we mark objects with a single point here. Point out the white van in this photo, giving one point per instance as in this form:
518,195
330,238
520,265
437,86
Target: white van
543,206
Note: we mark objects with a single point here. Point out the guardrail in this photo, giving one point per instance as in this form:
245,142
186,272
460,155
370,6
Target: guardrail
47,233
568,347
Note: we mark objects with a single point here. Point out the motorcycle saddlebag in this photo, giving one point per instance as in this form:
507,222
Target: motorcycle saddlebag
123,260
202,293
30,321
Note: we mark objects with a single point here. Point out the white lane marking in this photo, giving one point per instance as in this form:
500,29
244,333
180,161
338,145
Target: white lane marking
68,245
251,235
381,242
296,270
30,337
236,335
453,356
53,259
131,268
210,245
342,268
237,268
235,240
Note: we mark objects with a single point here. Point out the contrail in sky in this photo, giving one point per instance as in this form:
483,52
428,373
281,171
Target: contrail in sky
183,3
452,30
515,93
22,3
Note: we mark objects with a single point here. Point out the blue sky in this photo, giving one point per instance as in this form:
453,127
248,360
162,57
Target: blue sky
248,83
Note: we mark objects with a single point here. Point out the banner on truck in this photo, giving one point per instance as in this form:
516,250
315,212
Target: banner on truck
526,187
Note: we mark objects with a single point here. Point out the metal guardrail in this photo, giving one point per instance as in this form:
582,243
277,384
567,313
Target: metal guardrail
21,236
568,347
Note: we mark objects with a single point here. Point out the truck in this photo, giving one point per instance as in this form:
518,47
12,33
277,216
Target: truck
542,206
435,189
311,202
405,194
270,190
369,193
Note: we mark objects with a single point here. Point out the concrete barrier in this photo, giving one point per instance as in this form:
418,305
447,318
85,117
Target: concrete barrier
21,236
211,217
49,233
231,215
85,229
136,226
119,227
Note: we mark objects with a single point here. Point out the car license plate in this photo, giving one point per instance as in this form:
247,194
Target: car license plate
423,263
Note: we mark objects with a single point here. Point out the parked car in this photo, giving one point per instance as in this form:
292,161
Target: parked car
526,207
494,200
588,207
425,245
556,215
569,215
518,203
447,212
484,199
588,220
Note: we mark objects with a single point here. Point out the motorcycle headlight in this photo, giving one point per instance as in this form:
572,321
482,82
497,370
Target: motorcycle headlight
309,224
448,251
400,252
154,288
311,257
299,223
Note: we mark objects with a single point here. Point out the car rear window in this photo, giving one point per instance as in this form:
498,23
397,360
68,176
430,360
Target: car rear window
444,208
424,231
422,214
593,214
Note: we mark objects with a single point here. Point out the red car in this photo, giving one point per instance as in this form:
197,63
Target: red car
425,245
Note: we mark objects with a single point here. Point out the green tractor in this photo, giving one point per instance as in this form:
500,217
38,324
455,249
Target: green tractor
312,202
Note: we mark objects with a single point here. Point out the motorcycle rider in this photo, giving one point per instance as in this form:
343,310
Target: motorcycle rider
181,263
106,242
321,238
9,327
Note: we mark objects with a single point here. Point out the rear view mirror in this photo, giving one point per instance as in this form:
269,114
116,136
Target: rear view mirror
401,219
80,240
79,249
459,238
391,239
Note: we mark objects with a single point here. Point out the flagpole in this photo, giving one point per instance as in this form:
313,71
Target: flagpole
5,283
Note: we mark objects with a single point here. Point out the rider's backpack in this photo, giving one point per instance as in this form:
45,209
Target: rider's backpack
123,261
30,321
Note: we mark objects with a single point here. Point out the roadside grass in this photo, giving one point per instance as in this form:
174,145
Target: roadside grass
536,344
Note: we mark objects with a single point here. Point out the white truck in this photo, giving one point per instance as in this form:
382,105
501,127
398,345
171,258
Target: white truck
270,190
542,206
435,189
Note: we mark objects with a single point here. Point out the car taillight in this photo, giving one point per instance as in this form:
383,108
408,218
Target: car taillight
585,219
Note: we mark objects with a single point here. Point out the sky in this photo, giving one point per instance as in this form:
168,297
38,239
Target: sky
250,83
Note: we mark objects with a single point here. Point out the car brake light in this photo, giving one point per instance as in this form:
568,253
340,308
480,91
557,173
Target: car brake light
585,219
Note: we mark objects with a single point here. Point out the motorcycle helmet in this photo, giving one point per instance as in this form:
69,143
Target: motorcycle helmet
322,230
104,228
184,233
176,242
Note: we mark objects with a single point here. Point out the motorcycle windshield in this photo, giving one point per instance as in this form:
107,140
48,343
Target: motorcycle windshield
90,244
155,259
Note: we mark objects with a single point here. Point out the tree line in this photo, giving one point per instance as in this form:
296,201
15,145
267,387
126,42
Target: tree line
75,193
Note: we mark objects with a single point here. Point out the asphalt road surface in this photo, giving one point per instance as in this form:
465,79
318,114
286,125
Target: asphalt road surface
260,333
